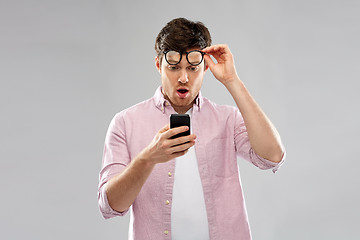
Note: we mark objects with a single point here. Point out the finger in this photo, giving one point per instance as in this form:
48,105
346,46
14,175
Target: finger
173,131
215,48
212,48
209,61
179,154
182,140
218,51
165,128
218,56
182,147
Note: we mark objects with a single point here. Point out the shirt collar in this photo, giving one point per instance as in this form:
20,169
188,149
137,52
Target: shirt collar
161,103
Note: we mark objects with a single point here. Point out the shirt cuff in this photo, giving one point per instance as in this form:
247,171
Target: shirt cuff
273,165
105,207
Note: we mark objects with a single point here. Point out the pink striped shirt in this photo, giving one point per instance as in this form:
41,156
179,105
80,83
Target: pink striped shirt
221,137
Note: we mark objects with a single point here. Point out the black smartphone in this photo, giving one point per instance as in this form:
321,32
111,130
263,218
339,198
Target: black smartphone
177,120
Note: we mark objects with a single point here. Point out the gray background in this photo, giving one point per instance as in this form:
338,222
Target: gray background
66,67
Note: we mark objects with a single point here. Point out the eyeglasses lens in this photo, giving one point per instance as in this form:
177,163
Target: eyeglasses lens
173,57
195,58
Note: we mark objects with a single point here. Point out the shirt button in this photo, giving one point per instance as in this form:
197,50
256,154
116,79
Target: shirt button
167,202
169,174
166,232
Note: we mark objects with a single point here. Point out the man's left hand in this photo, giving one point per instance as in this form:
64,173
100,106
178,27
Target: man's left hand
224,70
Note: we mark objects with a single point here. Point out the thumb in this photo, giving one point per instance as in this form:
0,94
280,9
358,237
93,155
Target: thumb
165,128
209,61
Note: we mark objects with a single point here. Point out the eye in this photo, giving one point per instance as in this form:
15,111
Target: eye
173,67
193,68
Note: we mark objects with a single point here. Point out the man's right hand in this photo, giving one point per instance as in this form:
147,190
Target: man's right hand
162,148
123,188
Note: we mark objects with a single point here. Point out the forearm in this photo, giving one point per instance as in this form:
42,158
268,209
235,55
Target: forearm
263,136
123,188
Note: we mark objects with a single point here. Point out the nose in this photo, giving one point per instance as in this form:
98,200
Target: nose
183,77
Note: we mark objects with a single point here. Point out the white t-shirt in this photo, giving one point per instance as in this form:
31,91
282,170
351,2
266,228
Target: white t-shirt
188,213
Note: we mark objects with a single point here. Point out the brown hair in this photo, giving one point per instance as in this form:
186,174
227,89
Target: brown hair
180,34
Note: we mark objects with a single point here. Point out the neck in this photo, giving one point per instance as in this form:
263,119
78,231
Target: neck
181,110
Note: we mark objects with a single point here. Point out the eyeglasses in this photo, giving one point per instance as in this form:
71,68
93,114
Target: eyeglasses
194,57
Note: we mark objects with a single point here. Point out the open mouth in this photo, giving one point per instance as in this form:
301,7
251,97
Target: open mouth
182,91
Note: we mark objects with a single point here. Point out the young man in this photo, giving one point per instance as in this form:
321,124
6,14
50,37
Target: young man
178,191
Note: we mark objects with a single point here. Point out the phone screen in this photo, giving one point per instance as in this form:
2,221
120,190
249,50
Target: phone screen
177,120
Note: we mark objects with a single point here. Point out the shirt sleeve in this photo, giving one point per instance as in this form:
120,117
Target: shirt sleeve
244,149
115,159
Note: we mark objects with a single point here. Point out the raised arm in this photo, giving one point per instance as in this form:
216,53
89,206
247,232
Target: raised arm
263,136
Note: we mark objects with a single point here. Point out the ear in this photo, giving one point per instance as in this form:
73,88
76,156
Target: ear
206,66
157,64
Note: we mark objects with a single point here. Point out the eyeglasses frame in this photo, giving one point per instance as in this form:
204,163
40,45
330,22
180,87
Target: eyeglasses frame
181,54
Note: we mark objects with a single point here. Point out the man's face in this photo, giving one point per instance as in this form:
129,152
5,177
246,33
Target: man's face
181,83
